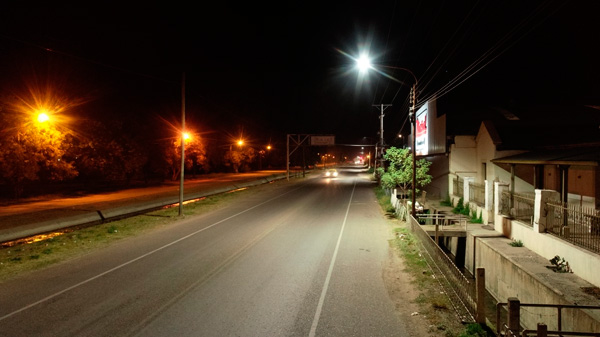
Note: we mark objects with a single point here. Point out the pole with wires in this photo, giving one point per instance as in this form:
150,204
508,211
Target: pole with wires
413,121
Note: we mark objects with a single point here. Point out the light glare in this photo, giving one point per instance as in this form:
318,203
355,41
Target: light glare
363,63
43,117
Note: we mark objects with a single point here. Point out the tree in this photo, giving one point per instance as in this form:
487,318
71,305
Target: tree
108,154
195,156
31,152
241,159
399,170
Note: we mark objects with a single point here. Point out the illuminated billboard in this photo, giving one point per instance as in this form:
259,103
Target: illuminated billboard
422,147
430,130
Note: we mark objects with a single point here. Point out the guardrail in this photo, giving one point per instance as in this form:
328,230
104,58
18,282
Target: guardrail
513,324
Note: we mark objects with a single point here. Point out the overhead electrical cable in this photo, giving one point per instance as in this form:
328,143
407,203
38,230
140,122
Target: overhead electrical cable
489,56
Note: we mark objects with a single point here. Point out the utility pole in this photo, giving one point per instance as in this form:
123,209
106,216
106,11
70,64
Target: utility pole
413,122
382,107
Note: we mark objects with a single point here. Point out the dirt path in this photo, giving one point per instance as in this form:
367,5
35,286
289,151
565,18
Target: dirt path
404,293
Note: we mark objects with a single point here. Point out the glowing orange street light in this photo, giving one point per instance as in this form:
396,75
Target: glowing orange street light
186,136
43,117
268,147
240,142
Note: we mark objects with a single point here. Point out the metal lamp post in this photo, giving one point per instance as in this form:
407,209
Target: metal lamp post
364,64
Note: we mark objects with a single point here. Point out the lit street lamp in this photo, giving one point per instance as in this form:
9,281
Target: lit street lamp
364,64
43,117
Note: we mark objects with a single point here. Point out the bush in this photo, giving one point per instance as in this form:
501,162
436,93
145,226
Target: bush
475,219
459,207
474,330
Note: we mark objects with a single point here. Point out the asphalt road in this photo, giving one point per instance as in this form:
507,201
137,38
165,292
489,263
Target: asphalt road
303,258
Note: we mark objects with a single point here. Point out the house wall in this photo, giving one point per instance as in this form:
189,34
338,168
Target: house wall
438,188
579,180
461,156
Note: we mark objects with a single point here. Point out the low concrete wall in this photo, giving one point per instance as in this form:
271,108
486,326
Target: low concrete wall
585,264
519,272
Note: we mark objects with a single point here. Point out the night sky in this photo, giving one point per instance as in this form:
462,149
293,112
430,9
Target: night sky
264,70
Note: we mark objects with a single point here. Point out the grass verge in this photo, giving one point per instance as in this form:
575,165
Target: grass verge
432,301
64,245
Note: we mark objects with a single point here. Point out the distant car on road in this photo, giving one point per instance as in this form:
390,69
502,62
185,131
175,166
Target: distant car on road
331,173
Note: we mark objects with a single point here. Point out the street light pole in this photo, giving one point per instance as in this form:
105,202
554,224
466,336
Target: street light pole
413,121
182,144
364,64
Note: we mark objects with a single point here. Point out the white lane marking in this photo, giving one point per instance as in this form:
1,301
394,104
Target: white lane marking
315,322
139,257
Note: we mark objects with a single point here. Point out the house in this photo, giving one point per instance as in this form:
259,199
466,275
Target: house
535,181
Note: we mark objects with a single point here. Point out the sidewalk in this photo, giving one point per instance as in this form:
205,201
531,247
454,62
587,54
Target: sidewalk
36,217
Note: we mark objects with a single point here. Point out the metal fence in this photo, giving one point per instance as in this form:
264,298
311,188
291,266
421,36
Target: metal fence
511,325
458,185
477,193
575,224
461,289
523,207
518,206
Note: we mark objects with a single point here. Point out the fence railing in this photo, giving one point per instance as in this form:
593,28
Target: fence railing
463,289
518,206
477,193
458,185
511,326
523,207
575,224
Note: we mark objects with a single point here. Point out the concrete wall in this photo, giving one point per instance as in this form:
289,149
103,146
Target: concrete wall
516,272
585,264
461,156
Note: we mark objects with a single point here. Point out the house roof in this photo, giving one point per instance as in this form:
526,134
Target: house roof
532,128
578,156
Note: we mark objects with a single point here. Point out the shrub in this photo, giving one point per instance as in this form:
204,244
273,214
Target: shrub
458,209
516,243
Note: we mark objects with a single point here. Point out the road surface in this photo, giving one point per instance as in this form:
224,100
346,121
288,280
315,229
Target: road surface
303,258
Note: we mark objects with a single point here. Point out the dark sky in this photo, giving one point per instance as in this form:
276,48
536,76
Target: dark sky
269,69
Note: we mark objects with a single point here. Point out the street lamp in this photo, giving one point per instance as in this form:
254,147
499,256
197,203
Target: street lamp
43,117
363,64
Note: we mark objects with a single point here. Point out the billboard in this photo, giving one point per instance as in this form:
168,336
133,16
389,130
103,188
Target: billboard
422,147
430,130
322,140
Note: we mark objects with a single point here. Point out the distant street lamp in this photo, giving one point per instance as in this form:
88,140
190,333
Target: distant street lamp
43,117
239,144
364,64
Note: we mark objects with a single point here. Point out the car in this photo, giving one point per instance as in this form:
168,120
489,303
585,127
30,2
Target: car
331,173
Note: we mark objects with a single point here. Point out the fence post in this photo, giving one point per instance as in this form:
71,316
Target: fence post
566,232
542,330
480,286
514,314
467,188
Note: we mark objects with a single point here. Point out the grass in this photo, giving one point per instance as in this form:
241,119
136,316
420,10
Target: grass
26,257
516,243
433,303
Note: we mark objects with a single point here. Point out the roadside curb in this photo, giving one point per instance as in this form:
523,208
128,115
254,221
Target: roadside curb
91,217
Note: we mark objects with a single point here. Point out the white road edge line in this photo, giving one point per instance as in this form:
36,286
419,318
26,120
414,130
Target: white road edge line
139,257
315,322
